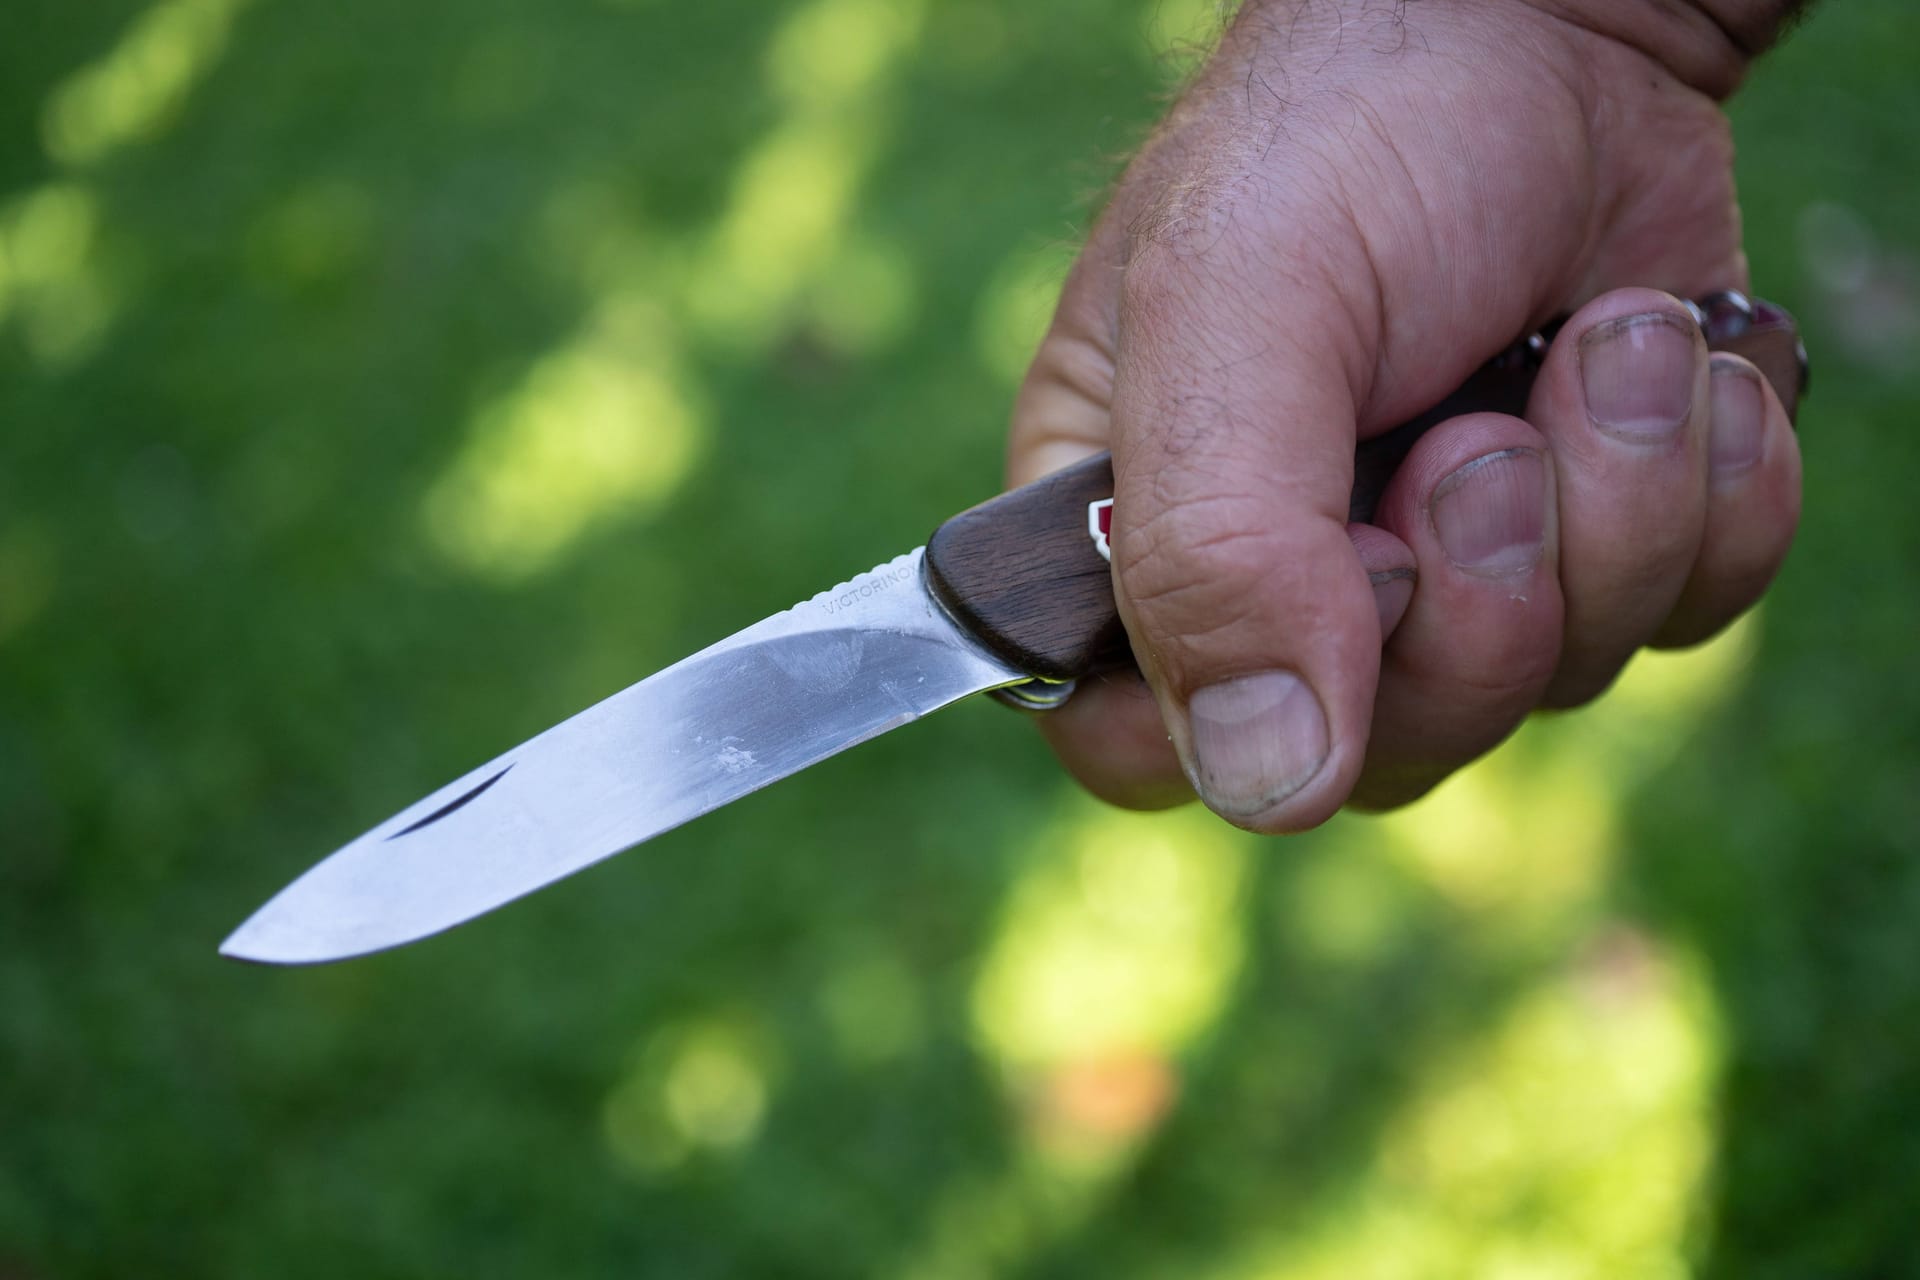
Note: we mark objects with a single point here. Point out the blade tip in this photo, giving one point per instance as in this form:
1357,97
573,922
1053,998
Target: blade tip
231,952
252,943
236,947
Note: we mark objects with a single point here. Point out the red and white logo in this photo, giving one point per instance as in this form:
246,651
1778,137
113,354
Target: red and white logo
1100,525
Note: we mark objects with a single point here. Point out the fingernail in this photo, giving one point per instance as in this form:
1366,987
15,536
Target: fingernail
1491,515
1739,432
1638,375
1256,740
1392,592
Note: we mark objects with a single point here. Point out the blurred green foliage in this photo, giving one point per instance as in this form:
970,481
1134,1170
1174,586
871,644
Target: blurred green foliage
381,382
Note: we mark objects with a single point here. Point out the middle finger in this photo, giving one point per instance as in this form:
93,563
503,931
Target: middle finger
1622,399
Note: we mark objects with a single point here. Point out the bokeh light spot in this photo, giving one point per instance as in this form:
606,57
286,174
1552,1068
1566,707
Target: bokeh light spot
864,299
26,576
1125,942
1531,831
1346,903
1642,723
833,51
1572,1136
605,426
1177,35
1510,835
791,199
133,93
6,277
54,285
786,225
50,235
318,231
1572,1139
873,1008
715,1095
1086,1113
1115,953
1868,289
699,1086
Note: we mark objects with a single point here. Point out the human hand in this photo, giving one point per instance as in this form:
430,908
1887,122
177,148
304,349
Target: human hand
1354,206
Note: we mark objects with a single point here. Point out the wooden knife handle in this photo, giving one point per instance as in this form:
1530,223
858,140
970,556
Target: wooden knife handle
1024,572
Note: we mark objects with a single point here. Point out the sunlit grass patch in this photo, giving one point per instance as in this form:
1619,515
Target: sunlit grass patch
863,299
363,228
786,233
1531,833
792,198
315,232
1571,1140
1116,952
1568,1135
604,427
1124,941
873,1008
50,235
1573,1136
52,280
28,575
1177,35
830,53
133,92
696,1087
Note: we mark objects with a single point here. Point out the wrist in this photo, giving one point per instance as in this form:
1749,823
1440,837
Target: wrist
1709,44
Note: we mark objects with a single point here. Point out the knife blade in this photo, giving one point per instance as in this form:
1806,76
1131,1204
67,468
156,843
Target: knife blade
1013,596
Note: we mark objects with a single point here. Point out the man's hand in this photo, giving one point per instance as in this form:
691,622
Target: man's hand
1356,204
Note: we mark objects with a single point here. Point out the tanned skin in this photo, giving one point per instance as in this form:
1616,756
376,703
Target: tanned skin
1354,204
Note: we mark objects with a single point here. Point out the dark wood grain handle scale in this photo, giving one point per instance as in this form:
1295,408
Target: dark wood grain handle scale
1023,573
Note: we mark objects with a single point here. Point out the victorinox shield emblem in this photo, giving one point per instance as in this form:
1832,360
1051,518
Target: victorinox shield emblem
1100,525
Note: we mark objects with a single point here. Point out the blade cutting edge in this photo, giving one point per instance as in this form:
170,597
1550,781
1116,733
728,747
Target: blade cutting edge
857,660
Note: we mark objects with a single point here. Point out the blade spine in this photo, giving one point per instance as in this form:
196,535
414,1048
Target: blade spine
718,648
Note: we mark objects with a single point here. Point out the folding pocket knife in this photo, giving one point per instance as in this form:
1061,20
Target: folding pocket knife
1013,597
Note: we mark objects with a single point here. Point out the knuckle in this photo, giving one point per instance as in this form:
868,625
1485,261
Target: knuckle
1513,672
1162,277
1630,557
1078,363
1502,675
1198,567
1192,214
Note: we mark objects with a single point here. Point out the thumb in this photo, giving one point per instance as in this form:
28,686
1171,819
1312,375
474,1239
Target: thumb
1233,423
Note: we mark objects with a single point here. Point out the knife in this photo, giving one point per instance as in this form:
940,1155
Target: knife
1012,597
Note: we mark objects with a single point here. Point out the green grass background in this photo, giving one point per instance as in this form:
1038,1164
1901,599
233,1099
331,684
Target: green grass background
301,309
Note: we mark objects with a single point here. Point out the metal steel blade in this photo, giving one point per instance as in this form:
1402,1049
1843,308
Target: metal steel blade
867,656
